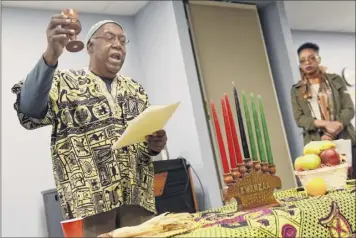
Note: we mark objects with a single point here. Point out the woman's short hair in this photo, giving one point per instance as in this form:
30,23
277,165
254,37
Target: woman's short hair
308,45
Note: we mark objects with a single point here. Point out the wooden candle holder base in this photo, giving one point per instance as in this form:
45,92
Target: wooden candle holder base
235,173
256,166
272,169
248,165
228,179
242,169
253,190
264,167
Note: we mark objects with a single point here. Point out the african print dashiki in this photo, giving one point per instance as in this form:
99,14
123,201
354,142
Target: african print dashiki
87,119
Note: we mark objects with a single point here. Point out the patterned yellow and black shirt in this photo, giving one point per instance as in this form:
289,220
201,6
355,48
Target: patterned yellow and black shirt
87,119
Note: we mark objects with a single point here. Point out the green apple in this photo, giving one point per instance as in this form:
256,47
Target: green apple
307,162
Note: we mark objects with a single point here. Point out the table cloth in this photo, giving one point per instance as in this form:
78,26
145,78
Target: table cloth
330,215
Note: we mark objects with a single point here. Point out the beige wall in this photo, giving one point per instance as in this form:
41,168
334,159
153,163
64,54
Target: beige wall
229,46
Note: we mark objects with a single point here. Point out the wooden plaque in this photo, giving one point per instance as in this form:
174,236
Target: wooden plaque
255,190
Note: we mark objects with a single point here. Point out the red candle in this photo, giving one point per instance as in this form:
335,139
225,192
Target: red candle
220,140
235,139
230,142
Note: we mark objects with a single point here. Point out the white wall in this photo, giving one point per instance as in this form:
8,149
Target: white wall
158,28
1,137
26,162
337,50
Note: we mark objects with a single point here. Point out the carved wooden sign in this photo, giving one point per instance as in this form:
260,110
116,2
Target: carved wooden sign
255,190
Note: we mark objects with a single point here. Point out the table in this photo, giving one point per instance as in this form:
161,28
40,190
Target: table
331,215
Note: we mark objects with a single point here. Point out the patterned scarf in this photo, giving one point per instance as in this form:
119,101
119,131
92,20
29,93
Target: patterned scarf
324,95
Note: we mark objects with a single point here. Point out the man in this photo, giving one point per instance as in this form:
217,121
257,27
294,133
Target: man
321,104
89,109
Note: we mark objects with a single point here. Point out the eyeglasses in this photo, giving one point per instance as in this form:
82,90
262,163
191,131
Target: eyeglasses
311,58
110,38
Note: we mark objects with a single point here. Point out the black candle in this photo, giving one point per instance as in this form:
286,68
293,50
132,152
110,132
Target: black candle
241,125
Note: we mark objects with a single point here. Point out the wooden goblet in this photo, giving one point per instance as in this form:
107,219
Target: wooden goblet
73,45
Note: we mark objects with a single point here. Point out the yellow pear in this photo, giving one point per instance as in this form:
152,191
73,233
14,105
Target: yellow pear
307,162
316,147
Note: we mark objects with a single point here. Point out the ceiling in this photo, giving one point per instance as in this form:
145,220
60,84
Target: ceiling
336,16
99,7
302,15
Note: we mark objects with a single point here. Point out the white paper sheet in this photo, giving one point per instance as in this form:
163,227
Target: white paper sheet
344,147
153,119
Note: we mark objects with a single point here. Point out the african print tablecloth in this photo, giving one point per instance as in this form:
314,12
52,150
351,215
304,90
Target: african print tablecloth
331,215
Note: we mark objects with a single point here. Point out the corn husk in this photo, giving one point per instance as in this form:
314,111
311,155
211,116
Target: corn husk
166,223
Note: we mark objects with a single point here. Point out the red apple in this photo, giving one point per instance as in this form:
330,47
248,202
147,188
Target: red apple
330,157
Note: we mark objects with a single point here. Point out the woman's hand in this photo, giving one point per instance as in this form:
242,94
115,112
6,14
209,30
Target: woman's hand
334,128
326,137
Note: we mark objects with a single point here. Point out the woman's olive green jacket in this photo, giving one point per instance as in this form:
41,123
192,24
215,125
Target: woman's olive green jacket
343,109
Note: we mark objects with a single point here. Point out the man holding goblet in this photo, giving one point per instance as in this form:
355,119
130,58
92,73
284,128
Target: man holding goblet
89,109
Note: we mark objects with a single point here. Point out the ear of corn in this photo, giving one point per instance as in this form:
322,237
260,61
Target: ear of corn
155,227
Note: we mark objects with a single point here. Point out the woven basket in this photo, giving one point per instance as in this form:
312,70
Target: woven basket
335,177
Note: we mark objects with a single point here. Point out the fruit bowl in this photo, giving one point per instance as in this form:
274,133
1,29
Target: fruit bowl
334,176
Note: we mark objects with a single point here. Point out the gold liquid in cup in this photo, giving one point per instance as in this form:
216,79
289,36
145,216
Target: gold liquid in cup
73,45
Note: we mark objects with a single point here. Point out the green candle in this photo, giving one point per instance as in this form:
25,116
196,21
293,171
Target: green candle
249,128
261,148
265,131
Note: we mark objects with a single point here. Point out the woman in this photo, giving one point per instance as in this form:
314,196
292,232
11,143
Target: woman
321,104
